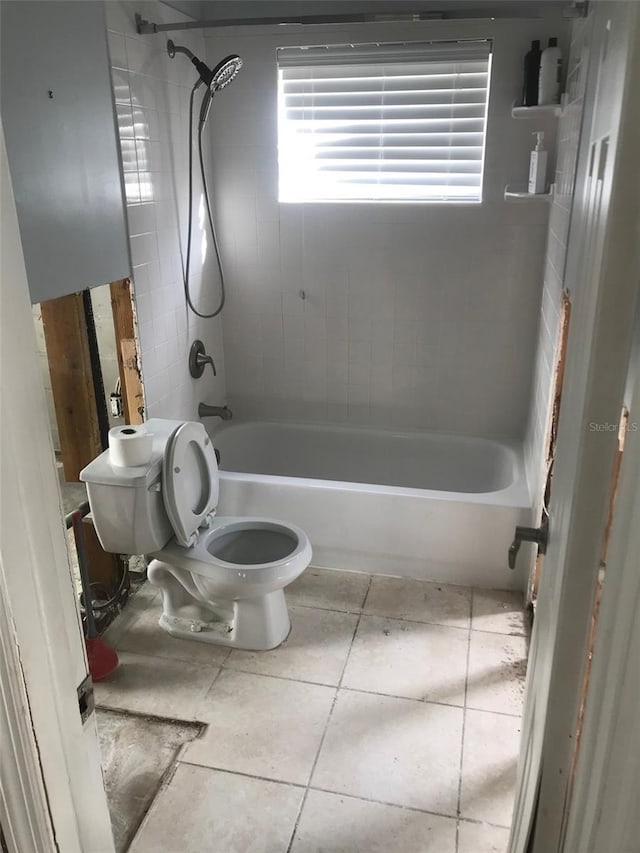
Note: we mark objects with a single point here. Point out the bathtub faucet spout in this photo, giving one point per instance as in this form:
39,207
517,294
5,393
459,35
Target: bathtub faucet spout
206,411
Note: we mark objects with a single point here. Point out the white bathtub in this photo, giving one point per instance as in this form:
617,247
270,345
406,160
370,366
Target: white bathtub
421,505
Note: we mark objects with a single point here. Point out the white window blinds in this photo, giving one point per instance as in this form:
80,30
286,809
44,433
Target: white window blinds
383,122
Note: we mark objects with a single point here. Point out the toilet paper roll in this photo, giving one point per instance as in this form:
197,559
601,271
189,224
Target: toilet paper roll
130,446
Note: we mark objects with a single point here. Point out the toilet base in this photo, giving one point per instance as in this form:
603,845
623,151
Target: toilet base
258,623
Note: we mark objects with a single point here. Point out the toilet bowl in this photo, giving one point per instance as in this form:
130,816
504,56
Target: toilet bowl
222,578
235,573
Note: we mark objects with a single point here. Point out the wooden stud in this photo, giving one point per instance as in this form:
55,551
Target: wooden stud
558,379
623,426
124,328
74,398
132,382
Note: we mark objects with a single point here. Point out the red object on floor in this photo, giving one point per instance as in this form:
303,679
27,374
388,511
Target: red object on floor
102,658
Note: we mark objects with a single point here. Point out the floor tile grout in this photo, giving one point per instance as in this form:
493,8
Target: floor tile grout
498,633
363,612
192,763
464,720
339,793
326,727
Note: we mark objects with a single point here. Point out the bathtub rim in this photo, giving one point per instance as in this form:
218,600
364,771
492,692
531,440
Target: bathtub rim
517,494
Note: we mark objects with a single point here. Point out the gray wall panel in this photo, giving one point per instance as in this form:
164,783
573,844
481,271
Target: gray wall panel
63,150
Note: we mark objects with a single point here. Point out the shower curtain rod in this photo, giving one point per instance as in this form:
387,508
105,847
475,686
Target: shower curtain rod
573,9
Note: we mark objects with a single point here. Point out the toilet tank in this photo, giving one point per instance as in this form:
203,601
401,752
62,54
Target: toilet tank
126,503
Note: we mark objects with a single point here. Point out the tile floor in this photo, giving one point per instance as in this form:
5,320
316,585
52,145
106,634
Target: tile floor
389,720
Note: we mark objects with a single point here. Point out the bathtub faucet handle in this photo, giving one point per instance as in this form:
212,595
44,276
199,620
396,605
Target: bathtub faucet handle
198,360
539,535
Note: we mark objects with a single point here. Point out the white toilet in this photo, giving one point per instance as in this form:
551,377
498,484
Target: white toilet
222,579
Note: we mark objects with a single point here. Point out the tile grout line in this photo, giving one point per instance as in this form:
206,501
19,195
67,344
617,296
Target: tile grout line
464,720
361,612
303,786
326,727
401,619
369,692
191,763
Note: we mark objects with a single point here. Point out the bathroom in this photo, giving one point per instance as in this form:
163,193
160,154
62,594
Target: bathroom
382,376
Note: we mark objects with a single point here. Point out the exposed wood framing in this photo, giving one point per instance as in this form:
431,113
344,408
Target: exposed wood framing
76,404
74,397
558,379
623,428
132,382
561,363
597,599
124,328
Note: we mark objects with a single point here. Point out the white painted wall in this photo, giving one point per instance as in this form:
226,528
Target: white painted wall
537,433
417,315
152,97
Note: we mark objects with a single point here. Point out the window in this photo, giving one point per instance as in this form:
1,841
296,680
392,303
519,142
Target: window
383,122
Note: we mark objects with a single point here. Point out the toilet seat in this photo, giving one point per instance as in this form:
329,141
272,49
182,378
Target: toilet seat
190,485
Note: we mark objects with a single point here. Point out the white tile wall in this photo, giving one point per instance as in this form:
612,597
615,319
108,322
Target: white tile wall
537,434
152,99
418,316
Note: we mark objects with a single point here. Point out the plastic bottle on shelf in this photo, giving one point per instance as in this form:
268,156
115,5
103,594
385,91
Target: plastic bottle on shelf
538,167
550,73
531,75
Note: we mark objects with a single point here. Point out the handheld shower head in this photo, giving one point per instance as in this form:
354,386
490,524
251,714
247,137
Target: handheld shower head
225,71
222,74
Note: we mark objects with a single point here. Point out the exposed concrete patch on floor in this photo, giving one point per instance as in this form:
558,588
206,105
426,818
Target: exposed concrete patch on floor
138,752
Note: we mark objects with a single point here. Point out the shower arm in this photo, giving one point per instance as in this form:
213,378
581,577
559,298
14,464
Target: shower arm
174,48
206,75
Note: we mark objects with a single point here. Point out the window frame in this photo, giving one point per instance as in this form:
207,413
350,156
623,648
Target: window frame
363,54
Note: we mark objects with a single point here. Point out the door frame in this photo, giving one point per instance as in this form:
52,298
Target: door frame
604,298
24,812
604,813
56,800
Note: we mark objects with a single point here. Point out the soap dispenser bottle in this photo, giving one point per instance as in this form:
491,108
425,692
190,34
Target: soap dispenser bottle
538,167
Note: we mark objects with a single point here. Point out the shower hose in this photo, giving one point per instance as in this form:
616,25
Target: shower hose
187,291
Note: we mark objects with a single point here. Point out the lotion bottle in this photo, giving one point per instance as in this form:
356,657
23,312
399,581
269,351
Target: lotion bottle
550,72
538,167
